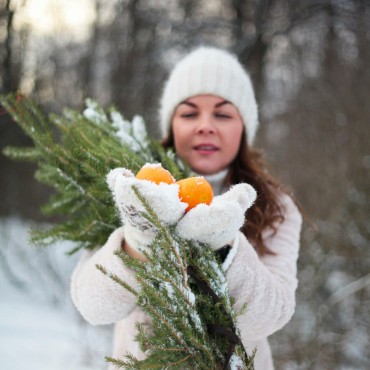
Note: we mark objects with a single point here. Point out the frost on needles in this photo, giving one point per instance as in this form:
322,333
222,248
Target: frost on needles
184,291
182,286
73,153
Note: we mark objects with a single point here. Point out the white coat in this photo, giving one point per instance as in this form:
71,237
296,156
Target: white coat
266,283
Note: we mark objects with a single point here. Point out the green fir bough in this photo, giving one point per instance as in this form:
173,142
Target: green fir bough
182,285
184,291
74,152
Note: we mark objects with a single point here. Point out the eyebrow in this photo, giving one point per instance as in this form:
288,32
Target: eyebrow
220,104
190,104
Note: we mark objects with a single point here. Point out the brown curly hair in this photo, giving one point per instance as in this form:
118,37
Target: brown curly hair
267,212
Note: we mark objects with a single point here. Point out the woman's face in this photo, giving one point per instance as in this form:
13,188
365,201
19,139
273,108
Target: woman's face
207,132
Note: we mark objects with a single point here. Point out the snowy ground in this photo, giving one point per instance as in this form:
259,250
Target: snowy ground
39,326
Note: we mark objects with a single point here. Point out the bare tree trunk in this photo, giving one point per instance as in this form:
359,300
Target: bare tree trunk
251,49
90,57
7,62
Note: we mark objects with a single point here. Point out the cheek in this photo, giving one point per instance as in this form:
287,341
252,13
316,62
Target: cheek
180,136
234,140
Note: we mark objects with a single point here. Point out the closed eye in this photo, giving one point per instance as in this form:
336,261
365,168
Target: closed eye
189,115
222,115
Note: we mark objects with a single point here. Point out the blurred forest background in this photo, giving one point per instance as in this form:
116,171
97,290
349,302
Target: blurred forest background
310,64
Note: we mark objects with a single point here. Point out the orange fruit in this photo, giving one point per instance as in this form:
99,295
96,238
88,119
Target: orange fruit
195,190
155,173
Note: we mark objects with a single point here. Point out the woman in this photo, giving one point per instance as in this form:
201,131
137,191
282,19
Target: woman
209,116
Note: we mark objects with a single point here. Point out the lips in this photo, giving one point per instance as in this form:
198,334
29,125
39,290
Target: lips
206,147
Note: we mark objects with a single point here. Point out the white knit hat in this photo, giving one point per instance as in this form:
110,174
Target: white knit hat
208,70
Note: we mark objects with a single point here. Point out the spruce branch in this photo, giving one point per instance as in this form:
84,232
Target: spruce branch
73,152
183,289
165,232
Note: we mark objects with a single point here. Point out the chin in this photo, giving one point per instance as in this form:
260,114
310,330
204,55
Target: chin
206,171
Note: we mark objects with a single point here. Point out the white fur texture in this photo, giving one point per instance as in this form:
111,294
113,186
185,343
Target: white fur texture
162,198
218,223
267,284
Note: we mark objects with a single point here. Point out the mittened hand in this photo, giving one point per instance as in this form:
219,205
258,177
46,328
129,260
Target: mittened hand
218,223
162,198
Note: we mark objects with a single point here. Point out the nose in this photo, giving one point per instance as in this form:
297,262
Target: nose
205,125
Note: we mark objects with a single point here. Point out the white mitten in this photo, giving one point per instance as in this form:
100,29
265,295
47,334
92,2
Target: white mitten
162,198
218,223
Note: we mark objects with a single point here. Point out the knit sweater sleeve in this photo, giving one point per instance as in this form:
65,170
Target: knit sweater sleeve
98,298
267,284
